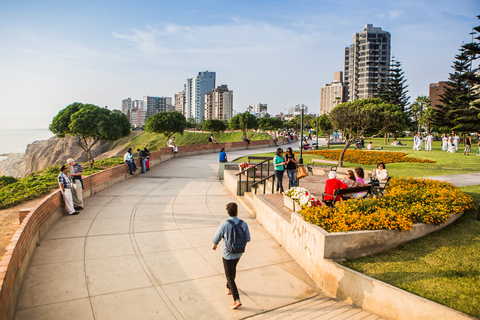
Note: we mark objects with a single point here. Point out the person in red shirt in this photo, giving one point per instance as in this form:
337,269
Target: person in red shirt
331,185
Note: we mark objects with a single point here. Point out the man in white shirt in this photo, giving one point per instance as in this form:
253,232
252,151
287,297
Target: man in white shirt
171,143
455,141
428,142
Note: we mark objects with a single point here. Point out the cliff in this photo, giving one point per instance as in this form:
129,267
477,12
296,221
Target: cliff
56,151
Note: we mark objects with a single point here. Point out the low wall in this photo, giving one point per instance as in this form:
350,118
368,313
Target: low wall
41,218
309,245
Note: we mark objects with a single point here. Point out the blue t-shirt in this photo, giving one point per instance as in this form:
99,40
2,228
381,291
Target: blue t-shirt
223,156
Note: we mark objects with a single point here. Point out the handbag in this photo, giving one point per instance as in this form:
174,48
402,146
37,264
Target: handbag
301,172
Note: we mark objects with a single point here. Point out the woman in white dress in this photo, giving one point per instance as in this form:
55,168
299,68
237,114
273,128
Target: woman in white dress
444,142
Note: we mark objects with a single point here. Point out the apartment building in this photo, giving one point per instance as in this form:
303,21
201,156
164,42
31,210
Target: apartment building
219,104
332,94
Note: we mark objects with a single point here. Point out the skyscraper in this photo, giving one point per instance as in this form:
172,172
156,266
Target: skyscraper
195,90
367,62
332,94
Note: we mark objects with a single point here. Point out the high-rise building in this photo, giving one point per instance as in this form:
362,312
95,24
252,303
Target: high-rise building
331,94
126,106
195,90
154,105
219,104
260,109
180,102
434,93
367,62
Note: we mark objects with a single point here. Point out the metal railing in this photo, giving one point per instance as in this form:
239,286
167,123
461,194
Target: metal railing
254,168
264,180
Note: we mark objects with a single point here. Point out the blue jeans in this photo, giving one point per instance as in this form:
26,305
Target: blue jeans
292,179
144,165
131,165
279,177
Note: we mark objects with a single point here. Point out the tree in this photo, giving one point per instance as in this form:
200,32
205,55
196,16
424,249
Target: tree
90,124
458,112
166,123
426,118
394,91
267,123
243,121
365,116
417,108
214,125
324,123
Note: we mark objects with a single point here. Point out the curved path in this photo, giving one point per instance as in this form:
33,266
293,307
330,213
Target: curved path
141,249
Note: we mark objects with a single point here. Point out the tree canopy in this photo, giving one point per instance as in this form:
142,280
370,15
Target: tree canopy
90,124
167,123
214,125
324,123
366,116
267,123
243,121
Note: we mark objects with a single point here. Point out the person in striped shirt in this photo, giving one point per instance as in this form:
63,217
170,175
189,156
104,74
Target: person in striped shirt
65,187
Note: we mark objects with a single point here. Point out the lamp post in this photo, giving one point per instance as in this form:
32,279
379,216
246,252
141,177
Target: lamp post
300,161
317,130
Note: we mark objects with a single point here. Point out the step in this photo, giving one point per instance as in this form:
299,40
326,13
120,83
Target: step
247,201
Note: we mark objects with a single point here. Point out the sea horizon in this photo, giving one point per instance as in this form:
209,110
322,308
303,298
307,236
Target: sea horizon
17,140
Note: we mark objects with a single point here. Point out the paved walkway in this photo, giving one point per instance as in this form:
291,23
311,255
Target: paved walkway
141,249
460,180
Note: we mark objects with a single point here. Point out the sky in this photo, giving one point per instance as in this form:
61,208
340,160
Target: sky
54,53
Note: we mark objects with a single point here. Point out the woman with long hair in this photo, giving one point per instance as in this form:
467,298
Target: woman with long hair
291,162
279,165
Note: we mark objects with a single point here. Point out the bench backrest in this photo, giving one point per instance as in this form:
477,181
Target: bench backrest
351,190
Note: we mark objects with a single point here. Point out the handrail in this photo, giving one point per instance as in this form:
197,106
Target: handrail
255,168
264,180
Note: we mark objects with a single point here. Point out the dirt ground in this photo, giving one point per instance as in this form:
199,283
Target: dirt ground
9,223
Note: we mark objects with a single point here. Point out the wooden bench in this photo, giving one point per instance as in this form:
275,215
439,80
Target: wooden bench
319,163
342,192
334,144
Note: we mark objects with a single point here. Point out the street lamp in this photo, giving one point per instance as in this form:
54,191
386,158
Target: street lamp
300,161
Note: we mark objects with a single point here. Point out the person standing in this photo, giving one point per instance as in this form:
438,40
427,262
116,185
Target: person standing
143,160
279,165
468,145
147,153
444,142
230,259
292,162
222,156
65,187
428,142
76,172
128,158
456,138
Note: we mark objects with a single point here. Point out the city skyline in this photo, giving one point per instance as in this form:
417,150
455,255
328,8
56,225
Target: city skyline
277,52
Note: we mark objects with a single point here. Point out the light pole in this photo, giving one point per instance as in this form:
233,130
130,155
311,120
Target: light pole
317,130
300,161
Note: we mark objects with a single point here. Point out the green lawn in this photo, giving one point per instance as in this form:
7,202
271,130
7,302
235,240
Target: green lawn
443,266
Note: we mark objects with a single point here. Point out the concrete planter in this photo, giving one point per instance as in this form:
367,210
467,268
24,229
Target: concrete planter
291,204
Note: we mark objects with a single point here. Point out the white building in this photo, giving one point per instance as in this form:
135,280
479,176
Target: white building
297,110
331,94
260,109
126,106
154,105
195,90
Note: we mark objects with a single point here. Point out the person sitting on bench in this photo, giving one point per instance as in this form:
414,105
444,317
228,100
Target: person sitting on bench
331,185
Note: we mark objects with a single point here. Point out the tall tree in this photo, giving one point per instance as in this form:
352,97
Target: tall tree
457,112
214,125
90,124
473,76
394,91
417,109
166,123
366,116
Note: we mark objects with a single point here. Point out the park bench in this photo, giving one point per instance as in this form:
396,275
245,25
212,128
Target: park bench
321,164
379,187
334,143
342,192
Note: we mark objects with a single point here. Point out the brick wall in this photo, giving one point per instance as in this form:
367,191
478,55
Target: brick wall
40,219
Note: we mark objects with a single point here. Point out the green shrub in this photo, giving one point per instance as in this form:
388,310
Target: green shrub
6,180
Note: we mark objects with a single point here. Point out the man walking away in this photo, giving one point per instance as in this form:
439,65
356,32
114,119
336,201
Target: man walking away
235,235
76,172
65,184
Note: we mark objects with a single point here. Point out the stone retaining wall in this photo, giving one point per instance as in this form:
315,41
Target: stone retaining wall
41,218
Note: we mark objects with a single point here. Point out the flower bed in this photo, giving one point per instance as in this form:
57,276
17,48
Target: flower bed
368,157
408,201
303,197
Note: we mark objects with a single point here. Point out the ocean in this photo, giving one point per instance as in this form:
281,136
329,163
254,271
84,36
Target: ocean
16,140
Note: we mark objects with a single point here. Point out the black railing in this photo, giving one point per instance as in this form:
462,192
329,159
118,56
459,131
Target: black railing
264,180
254,168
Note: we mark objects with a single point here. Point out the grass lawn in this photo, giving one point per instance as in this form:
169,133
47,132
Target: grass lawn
445,163
443,266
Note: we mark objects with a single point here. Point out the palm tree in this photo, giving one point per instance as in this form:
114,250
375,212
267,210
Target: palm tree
427,117
416,109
